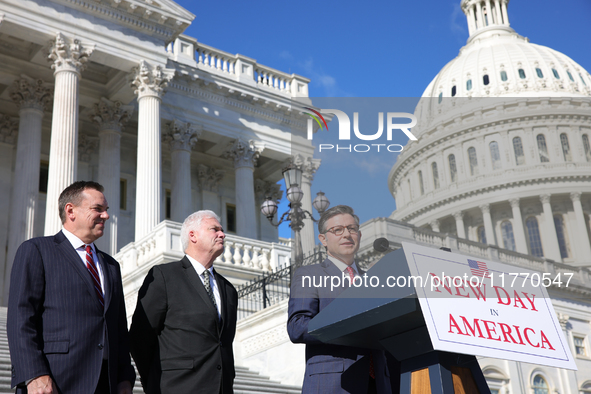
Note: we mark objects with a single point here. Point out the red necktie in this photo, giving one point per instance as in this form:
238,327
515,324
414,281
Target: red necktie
372,372
94,274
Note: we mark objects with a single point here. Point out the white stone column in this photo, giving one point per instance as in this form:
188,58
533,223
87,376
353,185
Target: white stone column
488,227
471,20
518,229
504,10
498,12
8,137
87,145
150,82
110,117
245,156
461,231
69,58
434,225
480,16
551,248
308,166
489,16
581,236
182,138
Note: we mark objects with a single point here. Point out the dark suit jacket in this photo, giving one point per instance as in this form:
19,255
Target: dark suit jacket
329,368
177,341
56,325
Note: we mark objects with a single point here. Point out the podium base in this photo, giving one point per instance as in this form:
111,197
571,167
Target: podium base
442,373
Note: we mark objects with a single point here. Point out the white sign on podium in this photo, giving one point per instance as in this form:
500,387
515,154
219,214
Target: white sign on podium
485,308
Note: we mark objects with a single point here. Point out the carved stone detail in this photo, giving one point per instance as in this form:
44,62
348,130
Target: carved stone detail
244,154
264,189
86,146
209,178
308,165
150,80
31,93
68,55
111,115
181,135
8,129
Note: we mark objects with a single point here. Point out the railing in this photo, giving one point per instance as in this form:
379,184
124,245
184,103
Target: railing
188,51
271,288
163,244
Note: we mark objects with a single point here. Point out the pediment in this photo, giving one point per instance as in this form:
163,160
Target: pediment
163,19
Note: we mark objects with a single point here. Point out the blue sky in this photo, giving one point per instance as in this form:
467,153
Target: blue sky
375,49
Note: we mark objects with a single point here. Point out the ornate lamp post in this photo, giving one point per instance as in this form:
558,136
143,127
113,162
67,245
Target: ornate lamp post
292,175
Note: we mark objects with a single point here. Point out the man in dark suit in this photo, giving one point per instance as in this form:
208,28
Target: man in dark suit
185,320
67,327
333,368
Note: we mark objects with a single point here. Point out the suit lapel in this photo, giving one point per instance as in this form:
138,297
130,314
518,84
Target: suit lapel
223,298
73,258
197,284
108,276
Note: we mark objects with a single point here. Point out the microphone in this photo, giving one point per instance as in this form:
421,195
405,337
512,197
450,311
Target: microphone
382,245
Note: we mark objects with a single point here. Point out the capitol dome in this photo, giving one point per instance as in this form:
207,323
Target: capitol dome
503,154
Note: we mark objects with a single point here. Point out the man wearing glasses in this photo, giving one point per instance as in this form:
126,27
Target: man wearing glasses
333,368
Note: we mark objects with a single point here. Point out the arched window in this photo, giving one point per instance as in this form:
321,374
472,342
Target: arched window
555,73
469,84
570,76
561,235
440,98
584,83
409,190
588,224
485,79
435,175
533,233
507,234
565,147
503,76
495,155
542,148
421,187
539,72
518,149
521,72
473,160
481,234
540,386
453,91
587,147
453,171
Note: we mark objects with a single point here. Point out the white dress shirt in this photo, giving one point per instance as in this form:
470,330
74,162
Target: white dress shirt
212,282
342,266
81,249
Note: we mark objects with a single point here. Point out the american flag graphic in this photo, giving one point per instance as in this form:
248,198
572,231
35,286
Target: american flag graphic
478,268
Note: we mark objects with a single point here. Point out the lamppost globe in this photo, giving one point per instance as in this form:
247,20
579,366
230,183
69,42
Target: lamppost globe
269,208
292,175
321,203
295,194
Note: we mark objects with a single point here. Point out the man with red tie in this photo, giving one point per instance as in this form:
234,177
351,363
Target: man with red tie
333,368
67,326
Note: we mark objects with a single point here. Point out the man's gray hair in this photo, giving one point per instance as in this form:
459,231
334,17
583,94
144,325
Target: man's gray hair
334,211
192,222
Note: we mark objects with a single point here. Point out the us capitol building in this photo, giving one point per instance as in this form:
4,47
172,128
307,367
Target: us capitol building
112,91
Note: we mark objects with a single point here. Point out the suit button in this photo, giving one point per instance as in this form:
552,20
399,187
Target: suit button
101,346
219,367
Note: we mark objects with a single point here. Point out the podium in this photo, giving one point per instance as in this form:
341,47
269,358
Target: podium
390,318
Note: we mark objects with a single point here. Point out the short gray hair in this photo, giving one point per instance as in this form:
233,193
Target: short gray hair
334,211
192,222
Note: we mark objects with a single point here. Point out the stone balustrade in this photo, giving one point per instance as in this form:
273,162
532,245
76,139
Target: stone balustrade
187,50
397,232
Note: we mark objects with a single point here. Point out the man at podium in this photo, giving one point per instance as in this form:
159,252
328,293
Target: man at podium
333,368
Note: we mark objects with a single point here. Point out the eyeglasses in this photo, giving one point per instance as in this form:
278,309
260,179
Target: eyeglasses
339,230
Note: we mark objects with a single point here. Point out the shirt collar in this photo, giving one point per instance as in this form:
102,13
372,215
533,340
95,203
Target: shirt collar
342,266
198,266
75,241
